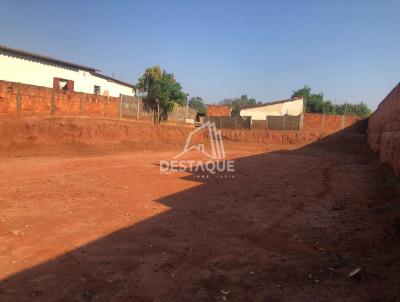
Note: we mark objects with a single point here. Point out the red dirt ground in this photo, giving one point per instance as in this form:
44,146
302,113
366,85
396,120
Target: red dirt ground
99,223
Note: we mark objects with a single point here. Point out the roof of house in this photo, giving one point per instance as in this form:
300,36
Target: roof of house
36,56
274,103
111,79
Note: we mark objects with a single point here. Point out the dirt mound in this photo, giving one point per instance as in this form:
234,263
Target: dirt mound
91,131
86,131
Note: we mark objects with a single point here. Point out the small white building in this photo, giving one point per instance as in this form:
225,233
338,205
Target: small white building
34,69
294,106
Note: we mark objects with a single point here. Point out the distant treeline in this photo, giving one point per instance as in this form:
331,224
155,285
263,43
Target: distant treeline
315,103
238,103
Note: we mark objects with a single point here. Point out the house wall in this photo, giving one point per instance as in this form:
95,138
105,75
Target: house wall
26,71
294,107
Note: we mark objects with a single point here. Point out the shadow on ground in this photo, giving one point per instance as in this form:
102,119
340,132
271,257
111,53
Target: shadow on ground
289,226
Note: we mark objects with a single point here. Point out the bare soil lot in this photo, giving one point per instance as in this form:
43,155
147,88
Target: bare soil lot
100,223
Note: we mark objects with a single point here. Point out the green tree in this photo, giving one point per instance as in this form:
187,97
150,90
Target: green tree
238,103
162,91
304,92
361,109
198,104
315,103
328,108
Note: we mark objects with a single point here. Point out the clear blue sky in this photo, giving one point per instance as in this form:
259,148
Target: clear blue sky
350,50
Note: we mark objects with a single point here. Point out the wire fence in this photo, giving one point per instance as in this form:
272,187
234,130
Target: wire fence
132,107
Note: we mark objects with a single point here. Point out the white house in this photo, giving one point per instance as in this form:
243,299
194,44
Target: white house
34,69
294,106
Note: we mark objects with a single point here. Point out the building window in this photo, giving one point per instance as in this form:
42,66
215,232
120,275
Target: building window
63,84
97,90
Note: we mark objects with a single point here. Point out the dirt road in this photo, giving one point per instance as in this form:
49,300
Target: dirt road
289,226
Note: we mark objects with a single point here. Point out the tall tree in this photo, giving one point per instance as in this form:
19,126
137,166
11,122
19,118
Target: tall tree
315,103
162,91
198,104
238,103
304,92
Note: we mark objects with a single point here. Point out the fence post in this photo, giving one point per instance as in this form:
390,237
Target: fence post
220,122
81,105
53,102
283,122
301,122
266,122
19,101
120,106
323,122
187,113
137,109
106,106
250,122
235,121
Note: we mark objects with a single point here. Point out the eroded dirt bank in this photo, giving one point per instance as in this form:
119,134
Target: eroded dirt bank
290,225
90,131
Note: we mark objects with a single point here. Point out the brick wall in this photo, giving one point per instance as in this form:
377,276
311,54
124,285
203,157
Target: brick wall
21,99
25,100
328,123
218,110
384,129
18,99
